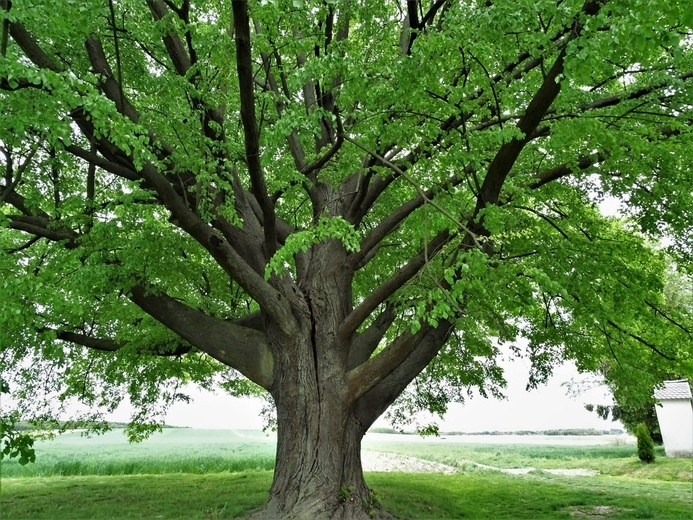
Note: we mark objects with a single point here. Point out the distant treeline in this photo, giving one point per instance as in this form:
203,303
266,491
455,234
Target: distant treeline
568,431
26,425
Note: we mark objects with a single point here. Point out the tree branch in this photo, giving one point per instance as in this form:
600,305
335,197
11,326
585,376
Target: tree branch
221,250
584,162
244,64
365,343
420,190
539,105
381,293
92,157
109,345
375,384
41,227
172,42
640,340
29,46
245,349
108,84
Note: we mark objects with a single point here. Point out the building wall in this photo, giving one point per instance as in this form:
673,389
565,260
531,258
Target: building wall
675,418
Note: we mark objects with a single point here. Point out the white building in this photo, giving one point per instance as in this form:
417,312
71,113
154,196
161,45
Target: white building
675,416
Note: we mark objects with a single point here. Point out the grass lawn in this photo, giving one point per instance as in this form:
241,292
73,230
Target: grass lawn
198,474
485,495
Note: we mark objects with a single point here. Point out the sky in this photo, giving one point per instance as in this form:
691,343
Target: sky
551,406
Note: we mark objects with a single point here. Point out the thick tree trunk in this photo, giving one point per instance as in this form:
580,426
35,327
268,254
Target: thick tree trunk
318,474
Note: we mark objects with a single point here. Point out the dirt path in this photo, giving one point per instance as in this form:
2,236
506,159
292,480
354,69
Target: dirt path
381,461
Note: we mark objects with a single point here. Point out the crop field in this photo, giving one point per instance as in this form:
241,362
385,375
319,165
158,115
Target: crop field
215,474
171,451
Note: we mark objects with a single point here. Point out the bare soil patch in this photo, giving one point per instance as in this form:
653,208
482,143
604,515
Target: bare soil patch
594,511
379,461
383,461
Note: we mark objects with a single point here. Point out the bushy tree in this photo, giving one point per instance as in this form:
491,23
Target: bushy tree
646,451
633,385
348,204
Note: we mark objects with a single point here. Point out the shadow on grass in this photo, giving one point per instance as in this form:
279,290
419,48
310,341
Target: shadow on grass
498,496
407,496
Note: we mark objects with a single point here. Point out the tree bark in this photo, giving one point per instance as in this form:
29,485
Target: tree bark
318,473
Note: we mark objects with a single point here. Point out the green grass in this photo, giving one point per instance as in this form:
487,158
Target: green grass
614,460
485,495
169,497
213,474
171,451
499,496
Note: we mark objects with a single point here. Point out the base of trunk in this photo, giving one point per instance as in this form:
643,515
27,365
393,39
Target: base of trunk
350,506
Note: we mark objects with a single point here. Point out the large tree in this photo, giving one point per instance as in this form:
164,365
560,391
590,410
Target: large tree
633,390
343,202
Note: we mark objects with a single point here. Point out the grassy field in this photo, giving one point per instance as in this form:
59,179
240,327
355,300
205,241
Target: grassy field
614,460
171,451
197,474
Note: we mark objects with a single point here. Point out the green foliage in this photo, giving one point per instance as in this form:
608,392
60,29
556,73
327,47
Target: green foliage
358,137
646,452
345,493
633,384
13,441
631,417
335,228
372,504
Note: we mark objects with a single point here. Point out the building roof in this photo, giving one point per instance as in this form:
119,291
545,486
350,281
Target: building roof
679,389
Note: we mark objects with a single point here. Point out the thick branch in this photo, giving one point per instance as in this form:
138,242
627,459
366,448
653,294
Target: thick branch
244,67
221,250
31,48
242,348
172,42
106,165
41,227
104,345
19,84
14,177
391,285
375,384
365,343
542,100
108,84
584,162
504,160
109,345
420,190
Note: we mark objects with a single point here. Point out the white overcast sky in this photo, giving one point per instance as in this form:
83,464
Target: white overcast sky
548,407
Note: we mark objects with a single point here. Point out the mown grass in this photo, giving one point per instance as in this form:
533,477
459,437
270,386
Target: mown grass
208,475
210,496
485,495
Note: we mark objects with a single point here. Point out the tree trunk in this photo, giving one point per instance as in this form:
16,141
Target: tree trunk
318,472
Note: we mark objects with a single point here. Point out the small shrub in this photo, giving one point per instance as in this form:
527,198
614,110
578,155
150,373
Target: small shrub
646,451
345,494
